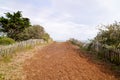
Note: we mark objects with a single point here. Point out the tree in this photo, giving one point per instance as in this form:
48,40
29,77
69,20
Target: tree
34,32
13,24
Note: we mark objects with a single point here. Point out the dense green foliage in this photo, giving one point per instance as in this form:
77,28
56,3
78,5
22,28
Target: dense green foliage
107,43
34,32
17,27
6,41
13,24
110,35
46,37
76,42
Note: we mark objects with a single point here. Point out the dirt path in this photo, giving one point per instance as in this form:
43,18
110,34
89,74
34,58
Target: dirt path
62,61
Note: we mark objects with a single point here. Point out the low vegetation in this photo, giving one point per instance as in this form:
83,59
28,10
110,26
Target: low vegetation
76,42
6,41
11,66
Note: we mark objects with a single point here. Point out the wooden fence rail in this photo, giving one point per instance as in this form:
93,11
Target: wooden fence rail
113,55
20,46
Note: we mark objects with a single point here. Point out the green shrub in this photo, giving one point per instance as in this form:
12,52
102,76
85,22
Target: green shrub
33,32
6,41
109,35
76,42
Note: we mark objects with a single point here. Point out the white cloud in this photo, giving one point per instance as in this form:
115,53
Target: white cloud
64,31
64,19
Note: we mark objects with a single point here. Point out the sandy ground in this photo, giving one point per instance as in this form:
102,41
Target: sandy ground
62,61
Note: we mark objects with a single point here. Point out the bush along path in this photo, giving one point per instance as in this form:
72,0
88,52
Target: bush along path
63,61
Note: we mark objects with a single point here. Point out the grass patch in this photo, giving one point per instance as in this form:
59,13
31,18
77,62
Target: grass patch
6,41
12,70
2,77
6,58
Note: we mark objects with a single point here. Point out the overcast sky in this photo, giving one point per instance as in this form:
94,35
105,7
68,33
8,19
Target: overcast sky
64,19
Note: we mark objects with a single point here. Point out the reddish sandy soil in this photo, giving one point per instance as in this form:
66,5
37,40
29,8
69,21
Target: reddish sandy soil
63,61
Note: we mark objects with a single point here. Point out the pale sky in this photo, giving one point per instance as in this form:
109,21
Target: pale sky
64,19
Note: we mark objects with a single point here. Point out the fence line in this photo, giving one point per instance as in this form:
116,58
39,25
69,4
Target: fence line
20,46
113,55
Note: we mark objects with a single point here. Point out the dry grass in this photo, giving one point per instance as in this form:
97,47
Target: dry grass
12,70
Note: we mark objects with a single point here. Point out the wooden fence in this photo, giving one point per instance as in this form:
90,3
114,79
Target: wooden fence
20,46
113,55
